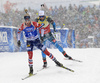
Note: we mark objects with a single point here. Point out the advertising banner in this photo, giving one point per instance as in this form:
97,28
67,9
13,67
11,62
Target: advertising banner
64,37
23,42
8,39
6,43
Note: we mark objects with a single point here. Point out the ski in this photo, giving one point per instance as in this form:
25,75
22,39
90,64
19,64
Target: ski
76,60
43,68
73,60
29,76
67,68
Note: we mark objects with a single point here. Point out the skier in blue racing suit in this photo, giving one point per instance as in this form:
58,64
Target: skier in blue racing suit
45,34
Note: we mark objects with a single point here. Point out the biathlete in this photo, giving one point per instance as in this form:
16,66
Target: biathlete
45,34
30,29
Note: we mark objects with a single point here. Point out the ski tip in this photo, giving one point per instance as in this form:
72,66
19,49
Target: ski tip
73,60
76,60
22,79
72,70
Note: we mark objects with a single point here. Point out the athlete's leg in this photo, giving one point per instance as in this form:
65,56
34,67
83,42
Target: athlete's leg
45,51
44,57
55,43
30,55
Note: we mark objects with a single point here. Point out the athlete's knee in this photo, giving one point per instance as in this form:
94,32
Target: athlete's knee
46,52
30,54
56,44
43,55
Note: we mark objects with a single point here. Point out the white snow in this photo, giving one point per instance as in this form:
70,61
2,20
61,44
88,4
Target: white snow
14,66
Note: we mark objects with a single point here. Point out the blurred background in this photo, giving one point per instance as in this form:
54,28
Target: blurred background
81,15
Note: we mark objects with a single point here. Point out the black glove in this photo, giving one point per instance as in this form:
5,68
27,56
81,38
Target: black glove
19,43
41,39
54,30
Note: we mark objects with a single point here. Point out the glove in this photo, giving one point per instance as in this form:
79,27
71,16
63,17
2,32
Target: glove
54,30
41,39
54,34
19,43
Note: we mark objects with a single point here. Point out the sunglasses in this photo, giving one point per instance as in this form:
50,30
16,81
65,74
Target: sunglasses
27,20
41,16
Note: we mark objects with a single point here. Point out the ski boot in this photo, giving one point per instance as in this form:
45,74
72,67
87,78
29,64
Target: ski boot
58,63
45,65
67,56
31,70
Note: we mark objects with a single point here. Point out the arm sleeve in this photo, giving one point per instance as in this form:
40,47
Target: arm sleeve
42,32
18,36
54,26
52,22
19,31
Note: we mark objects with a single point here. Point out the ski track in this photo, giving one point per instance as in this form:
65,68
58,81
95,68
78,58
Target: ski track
14,66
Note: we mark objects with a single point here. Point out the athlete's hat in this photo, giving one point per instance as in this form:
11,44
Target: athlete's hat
26,16
41,13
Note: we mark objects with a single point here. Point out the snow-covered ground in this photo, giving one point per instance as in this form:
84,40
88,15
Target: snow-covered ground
14,66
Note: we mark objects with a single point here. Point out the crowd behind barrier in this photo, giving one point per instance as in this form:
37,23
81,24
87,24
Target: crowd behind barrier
85,20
